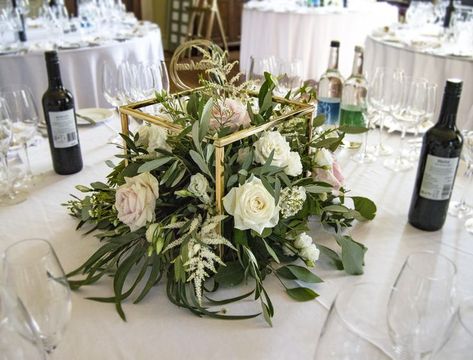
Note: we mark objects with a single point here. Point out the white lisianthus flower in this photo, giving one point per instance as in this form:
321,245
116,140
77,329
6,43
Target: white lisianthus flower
153,137
310,254
252,206
282,157
324,158
135,200
199,186
272,141
303,241
294,164
291,200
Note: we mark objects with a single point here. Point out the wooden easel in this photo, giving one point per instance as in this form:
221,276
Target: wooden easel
199,11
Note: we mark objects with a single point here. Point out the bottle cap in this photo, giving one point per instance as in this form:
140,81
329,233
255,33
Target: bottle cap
454,86
51,56
335,43
359,49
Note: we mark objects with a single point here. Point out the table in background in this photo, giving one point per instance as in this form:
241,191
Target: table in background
435,68
81,68
305,34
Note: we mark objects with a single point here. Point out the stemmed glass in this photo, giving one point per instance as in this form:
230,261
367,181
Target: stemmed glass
369,113
18,338
160,76
290,76
32,271
460,343
421,306
112,88
460,209
407,114
355,327
24,117
8,196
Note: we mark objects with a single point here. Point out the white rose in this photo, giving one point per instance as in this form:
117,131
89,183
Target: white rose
294,164
303,241
135,200
252,206
153,137
310,253
199,186
324,158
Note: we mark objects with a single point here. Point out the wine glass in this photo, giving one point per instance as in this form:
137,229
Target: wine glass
407,114
459,208
421,306
24,117
160,76
32,271
113,92
290,76
459,345
356,325
18,338
8,196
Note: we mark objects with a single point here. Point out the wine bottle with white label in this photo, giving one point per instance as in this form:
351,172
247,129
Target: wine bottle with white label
58,106
438,165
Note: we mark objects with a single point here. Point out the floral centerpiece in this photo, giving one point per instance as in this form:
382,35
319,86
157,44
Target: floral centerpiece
167,212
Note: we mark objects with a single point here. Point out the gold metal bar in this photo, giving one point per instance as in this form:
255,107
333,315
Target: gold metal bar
125,130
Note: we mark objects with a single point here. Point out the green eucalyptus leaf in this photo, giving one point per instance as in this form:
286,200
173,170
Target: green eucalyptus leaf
154,164
302,294
266,314
365,207
302,273
270,250
83,188
352,255
317,189
319,120
332,256
205,119
99,186
199,160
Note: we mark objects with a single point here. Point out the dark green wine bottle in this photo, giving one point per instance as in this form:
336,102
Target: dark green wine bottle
438,164
58,106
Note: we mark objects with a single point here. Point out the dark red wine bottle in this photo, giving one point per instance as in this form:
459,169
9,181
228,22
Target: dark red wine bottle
58,106
438,164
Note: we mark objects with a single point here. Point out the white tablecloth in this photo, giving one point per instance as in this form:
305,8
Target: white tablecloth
81,69
306,34
156,329
435,68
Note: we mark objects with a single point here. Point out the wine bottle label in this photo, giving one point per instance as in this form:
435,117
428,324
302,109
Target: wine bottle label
439,175
63,128
331,109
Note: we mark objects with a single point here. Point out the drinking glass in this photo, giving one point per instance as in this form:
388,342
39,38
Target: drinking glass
290,76
112,87
407,113
369,114
355,327
18,338
8,196
258,66
421,306
459,345
32,271
24,118
161,76
459,208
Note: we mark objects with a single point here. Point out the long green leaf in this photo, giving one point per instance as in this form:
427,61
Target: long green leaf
154,164
302,293
231,300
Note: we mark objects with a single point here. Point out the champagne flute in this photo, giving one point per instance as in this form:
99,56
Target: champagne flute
32,271
18,338
160,76
24,117
421,306
369,112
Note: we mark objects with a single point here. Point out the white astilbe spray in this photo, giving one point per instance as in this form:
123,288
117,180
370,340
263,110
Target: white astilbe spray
203,240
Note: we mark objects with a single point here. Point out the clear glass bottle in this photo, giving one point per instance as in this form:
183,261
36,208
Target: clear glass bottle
353,102
330,88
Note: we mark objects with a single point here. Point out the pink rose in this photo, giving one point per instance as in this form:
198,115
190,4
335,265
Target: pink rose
135,200
229,113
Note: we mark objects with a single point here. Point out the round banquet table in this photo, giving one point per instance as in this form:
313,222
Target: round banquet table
435,68
156,329
81,69
305,34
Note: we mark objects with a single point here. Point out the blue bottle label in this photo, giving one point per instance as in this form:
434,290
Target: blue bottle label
331,109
